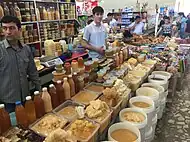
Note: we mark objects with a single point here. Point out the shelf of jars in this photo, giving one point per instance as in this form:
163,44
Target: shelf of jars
42,19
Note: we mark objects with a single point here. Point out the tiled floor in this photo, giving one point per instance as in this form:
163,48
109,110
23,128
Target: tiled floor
175,123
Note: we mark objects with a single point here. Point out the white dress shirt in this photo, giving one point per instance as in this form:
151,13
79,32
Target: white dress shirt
138,28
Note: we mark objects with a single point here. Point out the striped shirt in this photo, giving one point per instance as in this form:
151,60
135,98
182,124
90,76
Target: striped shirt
17,67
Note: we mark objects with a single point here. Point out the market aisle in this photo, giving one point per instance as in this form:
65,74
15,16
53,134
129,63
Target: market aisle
175,123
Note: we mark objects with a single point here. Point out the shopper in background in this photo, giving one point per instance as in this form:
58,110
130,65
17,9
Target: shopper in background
16,65
94,38
183,21
187,29
166,28
137,27
111,21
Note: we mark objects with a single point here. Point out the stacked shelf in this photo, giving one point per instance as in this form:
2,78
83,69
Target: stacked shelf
43,19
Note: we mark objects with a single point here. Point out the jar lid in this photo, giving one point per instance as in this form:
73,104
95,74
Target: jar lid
44,89
2,105
28,98
65,79
36,93
18,103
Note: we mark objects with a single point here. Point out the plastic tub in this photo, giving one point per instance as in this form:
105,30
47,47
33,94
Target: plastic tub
150,111
163,80
134,85
93,137
140,125
125,99
137,73
154,123
164,73
162,107
116,110
66,104
149,92
124,125
101,87
158,110
148,135
159,88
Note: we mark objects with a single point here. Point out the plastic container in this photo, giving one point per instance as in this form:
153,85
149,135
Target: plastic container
141,74
163,80
148,135
93,137
149,92
94,90
134,85
124,125
66,104
82,97
159,88
164,73
150,111
125,99
157,110
41,133
116,110
162,107
140,125
154,123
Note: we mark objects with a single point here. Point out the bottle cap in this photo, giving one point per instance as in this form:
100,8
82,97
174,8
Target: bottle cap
2,105
51,86
44,89
75,73
28,98
36,93
74,60
18,103
70,76
59,82
65,79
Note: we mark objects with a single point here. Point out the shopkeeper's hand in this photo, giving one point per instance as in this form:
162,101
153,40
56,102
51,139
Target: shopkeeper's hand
100,50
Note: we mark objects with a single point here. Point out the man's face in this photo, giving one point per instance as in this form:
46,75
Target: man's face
109,18
11,31
98,17
138,20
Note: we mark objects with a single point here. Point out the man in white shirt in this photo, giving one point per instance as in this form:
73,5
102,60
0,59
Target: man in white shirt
111,21
137,27
94,38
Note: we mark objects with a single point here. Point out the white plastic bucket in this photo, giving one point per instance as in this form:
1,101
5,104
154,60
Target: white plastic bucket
162,107
150,111
154,123
148,135
149,92
140,125
156,86
157,110
164,73
163,82
124,125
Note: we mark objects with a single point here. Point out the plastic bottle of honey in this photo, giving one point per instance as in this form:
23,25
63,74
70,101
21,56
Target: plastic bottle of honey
121,57
47,100
60,92
5,122
30,110
117,60
67,89
75,79
54,96
74,65
39,105
21,116
72,85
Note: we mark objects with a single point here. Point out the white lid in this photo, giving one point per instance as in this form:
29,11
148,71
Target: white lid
36,93
28,98
70,76
75,73
59,82
51,86
65,79
2,105
44,89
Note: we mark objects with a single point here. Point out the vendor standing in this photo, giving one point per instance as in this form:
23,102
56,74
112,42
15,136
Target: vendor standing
17,65
94,38
137,27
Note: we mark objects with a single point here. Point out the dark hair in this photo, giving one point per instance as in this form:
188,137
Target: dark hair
9,19
165,17
97,9
109,14
181,14
168,18
137,17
